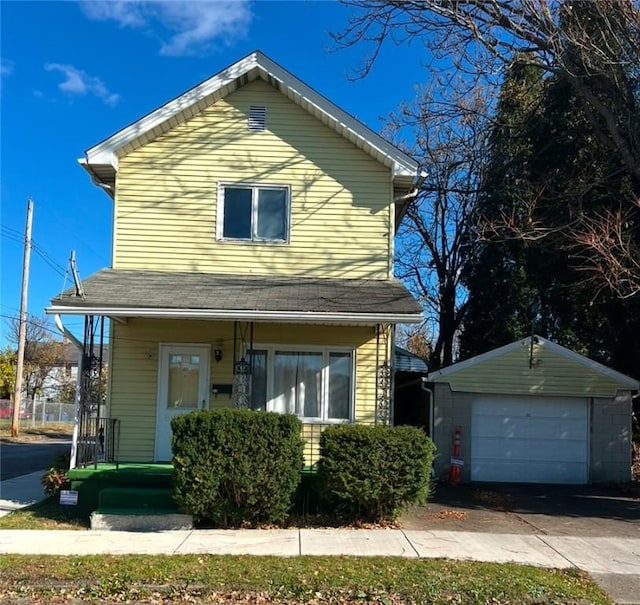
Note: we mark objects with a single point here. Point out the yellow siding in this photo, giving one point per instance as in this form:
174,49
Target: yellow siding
165,209
134,369
311,435
551,374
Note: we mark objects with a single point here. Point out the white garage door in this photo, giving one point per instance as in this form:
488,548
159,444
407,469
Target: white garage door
529,439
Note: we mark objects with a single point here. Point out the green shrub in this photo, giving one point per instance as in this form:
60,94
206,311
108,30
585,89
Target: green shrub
236,467
372,472
56,478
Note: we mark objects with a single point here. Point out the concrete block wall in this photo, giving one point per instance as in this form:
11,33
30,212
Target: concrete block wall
450,410
610,443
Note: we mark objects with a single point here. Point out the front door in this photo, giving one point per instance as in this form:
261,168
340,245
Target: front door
183,386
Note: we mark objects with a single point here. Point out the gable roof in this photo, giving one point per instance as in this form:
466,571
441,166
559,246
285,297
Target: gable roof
101,160
406,361
138,293
541,344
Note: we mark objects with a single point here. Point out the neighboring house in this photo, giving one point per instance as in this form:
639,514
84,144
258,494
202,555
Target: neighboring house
62,374
533,413
253,242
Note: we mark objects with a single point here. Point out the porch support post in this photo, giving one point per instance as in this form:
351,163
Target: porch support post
383,378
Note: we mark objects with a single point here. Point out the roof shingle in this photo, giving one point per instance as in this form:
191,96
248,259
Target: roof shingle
136,289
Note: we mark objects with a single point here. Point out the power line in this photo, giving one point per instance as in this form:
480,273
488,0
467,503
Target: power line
38,249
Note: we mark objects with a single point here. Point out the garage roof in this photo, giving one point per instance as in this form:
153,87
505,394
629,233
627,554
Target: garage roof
545,369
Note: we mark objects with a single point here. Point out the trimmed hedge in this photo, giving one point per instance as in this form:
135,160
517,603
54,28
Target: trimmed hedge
372,472
236,467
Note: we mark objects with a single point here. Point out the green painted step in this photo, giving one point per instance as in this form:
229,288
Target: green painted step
136,498
127,475
136,511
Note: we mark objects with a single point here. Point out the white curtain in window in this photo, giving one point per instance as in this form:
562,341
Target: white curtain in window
340,370
297,381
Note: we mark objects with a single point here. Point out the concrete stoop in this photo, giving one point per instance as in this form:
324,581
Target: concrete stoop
136,520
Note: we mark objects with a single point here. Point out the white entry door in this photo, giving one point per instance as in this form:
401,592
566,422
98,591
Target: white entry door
183,386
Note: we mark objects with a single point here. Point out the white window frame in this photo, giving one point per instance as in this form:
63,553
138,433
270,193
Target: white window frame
255,188
324,403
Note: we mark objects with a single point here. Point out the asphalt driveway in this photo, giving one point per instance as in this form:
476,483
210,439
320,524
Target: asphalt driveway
531,509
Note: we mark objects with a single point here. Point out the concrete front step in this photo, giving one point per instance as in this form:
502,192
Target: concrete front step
123,519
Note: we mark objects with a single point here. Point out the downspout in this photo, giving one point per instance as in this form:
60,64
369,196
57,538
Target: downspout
412,194
74,439
425,388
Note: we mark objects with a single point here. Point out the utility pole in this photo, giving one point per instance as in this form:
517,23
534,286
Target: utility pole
22,333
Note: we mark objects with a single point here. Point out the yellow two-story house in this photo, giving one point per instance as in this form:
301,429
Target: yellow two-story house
253,241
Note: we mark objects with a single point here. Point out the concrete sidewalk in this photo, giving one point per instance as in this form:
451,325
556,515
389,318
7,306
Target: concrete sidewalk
614,562
594,555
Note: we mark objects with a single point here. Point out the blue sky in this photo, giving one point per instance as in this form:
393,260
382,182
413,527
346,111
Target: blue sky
73,73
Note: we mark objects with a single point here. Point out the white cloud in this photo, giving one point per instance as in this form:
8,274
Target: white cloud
78,82
127,13
6,67
194,26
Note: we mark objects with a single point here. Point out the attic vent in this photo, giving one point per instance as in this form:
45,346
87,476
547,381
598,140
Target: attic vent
257,117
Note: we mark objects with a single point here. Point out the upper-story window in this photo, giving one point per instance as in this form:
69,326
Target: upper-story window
255,213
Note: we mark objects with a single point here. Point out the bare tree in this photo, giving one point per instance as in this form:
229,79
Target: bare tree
594,46
42,354
417,341
481,37
451,137
604,246
610,255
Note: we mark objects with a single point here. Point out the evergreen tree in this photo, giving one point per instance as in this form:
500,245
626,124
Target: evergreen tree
496,280
550,175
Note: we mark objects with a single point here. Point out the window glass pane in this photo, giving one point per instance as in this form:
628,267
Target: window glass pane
297,381
340,368
272,214
184,377
258,360
237,213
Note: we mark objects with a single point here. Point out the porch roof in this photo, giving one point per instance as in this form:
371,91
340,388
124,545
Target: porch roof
134,293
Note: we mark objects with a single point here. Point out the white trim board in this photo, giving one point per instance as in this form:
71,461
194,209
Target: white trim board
224,314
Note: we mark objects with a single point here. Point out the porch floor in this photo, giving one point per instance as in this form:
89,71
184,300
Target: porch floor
122,469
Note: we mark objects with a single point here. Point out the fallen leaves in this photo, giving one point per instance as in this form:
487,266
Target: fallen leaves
447,515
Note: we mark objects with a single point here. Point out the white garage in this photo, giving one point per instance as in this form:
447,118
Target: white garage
532,413
529,439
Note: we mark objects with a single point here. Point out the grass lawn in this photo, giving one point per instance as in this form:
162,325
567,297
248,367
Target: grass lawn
318,580
46,514
28,431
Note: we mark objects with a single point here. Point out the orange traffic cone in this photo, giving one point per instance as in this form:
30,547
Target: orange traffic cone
456,462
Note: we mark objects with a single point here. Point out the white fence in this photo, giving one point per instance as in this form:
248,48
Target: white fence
40,413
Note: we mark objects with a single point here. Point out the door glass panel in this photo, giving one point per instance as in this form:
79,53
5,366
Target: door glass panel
184,378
